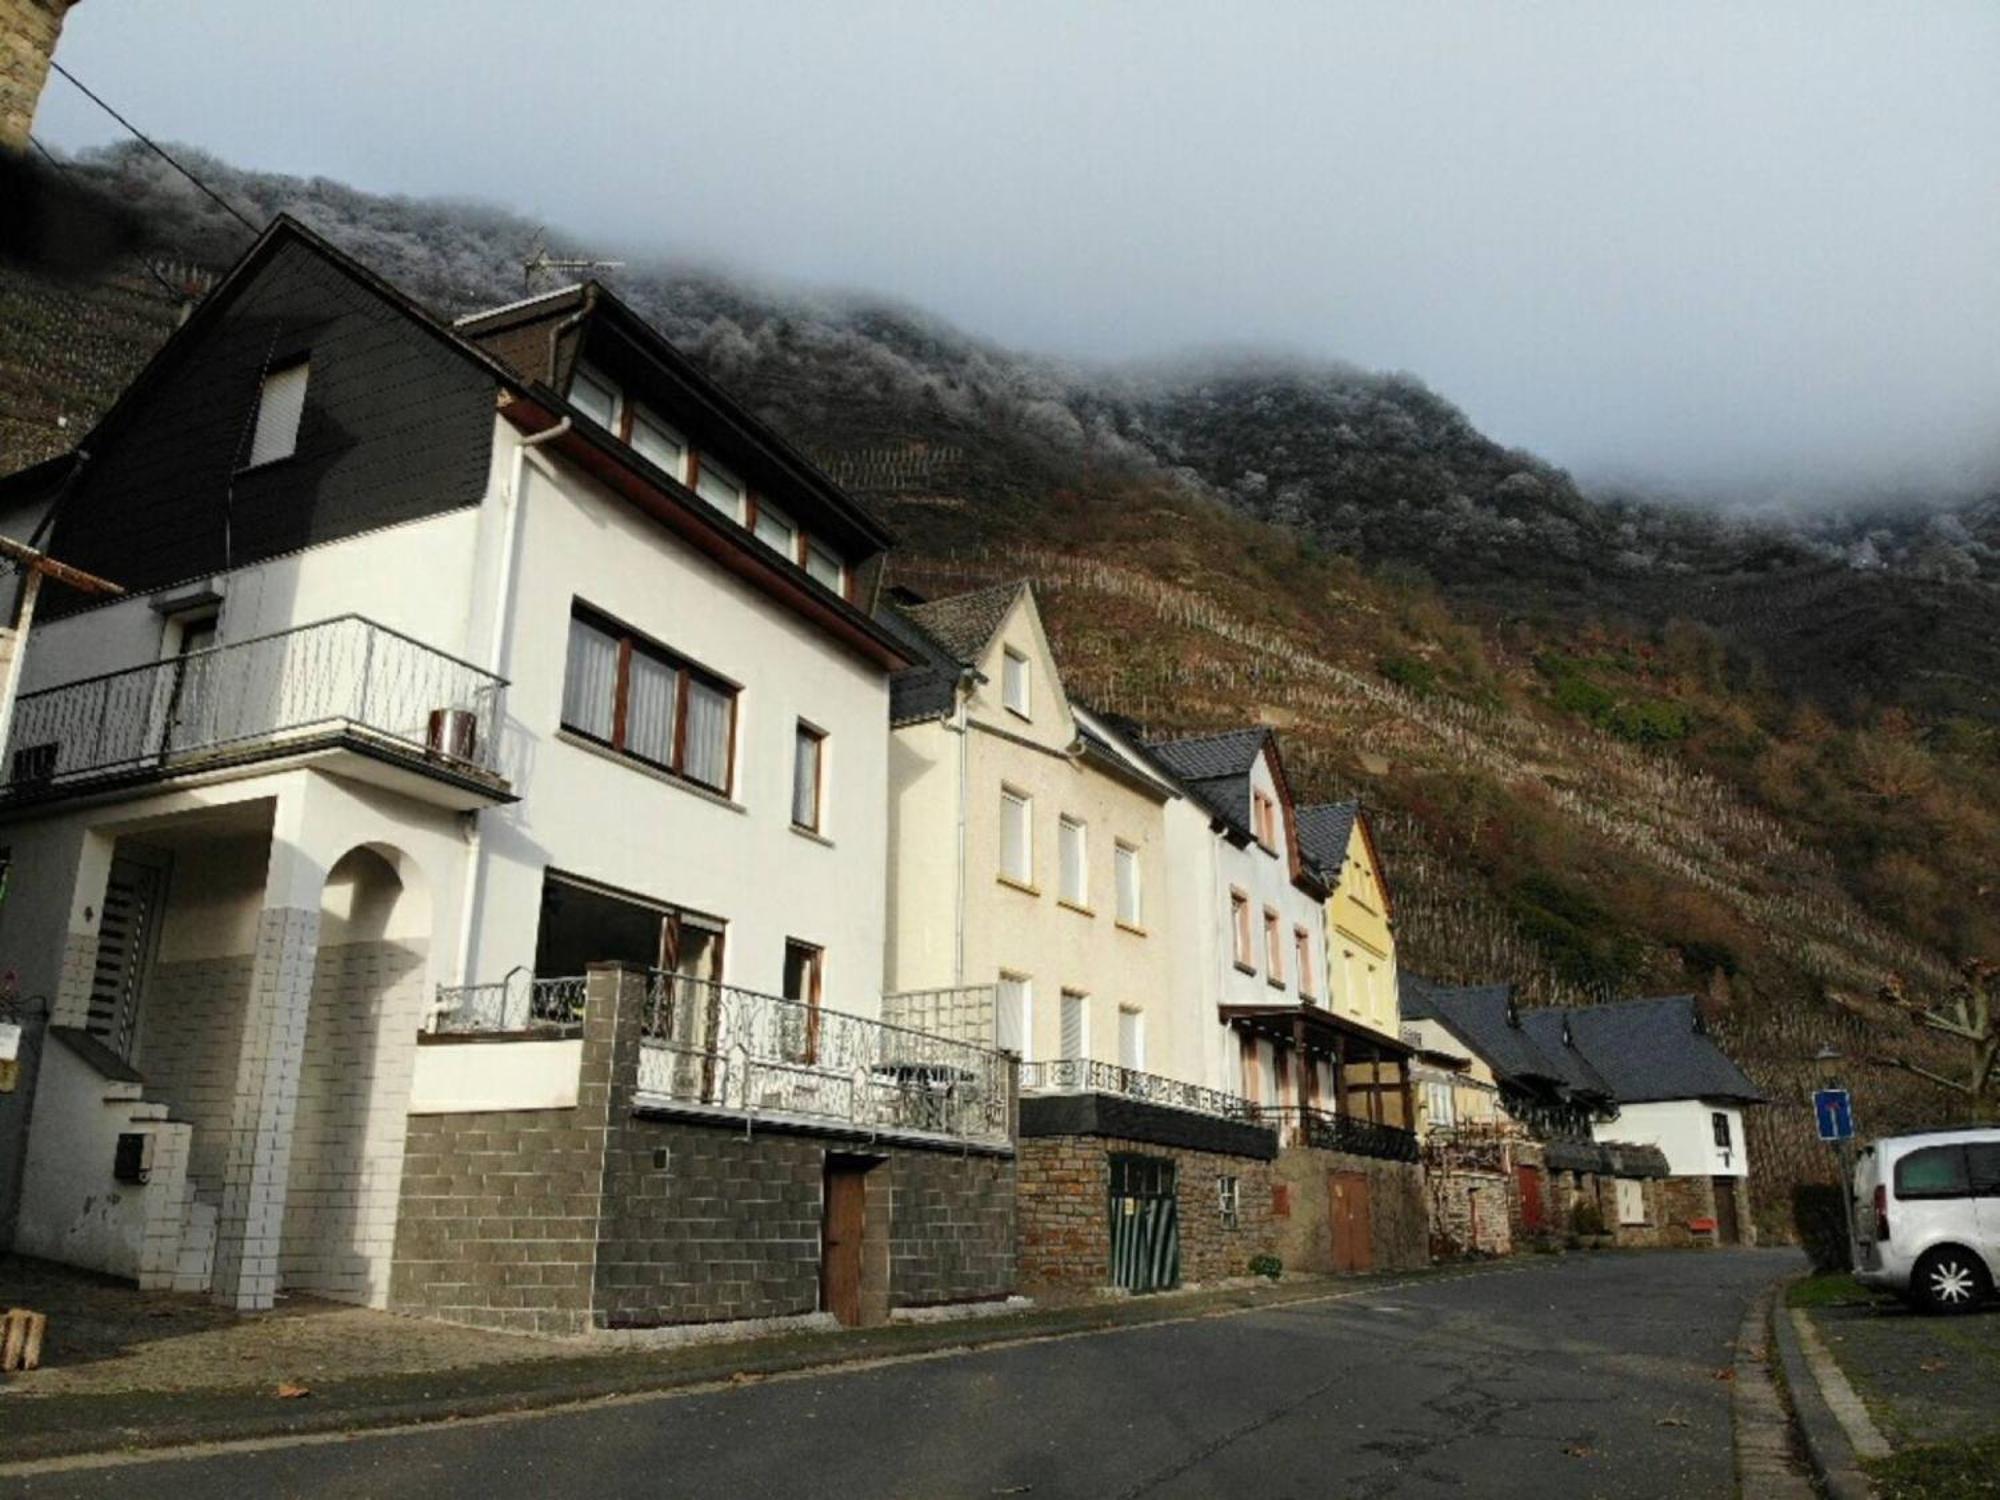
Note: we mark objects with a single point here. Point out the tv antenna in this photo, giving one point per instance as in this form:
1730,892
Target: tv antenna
541,263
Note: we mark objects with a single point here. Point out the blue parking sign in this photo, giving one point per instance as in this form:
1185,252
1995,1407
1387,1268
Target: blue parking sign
1835,1109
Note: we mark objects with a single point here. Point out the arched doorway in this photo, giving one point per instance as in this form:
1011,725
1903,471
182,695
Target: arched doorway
354,1078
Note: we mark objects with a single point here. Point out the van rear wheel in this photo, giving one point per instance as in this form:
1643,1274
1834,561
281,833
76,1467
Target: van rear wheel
1950,1280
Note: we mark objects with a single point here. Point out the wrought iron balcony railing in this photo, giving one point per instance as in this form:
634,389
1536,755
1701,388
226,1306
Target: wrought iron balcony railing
345,674
1332,1132
518,1003
1081,1075
715,1045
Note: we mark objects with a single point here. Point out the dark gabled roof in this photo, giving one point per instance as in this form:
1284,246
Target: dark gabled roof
1656,1049
965,624
513,335
1480,1016
1324,832
928,690
1215,769
1550,1033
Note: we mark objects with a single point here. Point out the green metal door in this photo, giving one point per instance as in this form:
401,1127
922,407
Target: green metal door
1145,1224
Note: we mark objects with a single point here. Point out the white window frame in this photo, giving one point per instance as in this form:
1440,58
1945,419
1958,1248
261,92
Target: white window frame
1080,1001
281,411
644,418
771,513
1632,1190
1133,1060
1024,986
1024,875
1229,1199
1303,959
1016,687
705,472
1274,945
1131,890
814,548
1073,835
589,375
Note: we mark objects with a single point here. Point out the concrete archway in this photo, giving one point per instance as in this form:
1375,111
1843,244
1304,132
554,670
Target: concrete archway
354,1079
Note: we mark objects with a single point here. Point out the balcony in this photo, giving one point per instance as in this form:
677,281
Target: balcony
709,1045
1349,1133
1078,1075
518,1005
345,683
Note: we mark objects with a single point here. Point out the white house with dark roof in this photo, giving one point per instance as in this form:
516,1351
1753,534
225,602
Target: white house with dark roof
454,659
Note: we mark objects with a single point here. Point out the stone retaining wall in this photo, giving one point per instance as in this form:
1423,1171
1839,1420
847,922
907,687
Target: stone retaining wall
1399,1215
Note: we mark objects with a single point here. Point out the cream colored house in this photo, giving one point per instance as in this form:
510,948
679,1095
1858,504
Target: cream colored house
1026,851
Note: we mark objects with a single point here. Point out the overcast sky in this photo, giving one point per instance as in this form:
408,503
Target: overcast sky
1697,244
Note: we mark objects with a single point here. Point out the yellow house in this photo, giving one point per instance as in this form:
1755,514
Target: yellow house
1360,986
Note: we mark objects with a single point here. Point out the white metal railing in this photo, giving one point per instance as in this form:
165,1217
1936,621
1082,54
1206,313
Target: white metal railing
711,1044
1080,1075
347,672
519,1002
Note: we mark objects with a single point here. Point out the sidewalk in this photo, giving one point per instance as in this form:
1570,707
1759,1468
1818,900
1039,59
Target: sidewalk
1930,1386
125,1370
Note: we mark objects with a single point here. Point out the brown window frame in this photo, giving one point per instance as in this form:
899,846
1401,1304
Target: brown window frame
801,732
816,969
686,672
1241,931
1274,946
1302,956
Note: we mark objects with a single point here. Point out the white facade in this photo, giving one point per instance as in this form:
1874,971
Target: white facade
1688,1132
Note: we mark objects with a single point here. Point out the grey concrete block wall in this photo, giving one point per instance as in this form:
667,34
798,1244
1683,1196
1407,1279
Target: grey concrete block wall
555,1221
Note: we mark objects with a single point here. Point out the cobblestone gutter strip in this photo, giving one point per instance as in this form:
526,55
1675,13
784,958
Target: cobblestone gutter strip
1807,1378
40,1428
1766,1464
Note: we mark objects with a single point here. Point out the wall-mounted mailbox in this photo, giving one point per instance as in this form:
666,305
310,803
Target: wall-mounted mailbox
134,1160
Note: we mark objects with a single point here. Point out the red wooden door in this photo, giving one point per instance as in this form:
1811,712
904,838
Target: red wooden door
840,1252
1530,1182
1353,1222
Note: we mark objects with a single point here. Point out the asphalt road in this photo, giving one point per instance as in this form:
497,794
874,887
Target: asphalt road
1581,1375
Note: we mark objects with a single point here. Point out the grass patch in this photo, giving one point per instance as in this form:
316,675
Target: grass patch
1944,1471
1827,1289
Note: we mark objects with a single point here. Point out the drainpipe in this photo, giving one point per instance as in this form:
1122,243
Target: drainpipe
496,661
958,920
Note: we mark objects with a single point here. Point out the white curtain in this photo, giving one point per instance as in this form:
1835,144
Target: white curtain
590,681
649,710
708,712
805,781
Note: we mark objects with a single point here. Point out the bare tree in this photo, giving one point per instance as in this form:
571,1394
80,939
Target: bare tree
1966,1014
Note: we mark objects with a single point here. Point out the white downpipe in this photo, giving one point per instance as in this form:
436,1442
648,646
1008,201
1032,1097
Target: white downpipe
496,661
958,918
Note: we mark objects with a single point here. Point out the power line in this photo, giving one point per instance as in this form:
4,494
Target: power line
63,167
157,149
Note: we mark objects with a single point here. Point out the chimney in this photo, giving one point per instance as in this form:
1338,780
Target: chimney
28,32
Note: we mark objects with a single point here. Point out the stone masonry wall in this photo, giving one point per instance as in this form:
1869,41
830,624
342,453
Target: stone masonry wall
951,1227
1399,1212
28,32
1065,1229
1469,1212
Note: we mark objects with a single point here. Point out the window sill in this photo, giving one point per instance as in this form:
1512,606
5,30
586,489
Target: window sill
656,773
1024,717
1017,885
1276,981
1243,968
267,464
1081,911
1134,930
812,835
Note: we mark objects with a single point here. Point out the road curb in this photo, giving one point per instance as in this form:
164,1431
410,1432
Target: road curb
1766,1462
1833,1458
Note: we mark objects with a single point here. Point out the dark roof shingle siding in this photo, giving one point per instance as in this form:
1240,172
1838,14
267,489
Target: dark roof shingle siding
1477,1016
1324,832
1650,1050
1215,769
929,690
965,623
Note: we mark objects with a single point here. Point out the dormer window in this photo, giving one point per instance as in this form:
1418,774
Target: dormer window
281,402
1014,690
596,397
825,568
657,443
720,489
775,530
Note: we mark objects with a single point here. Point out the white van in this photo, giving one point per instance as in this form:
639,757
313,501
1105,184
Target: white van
1927,1217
